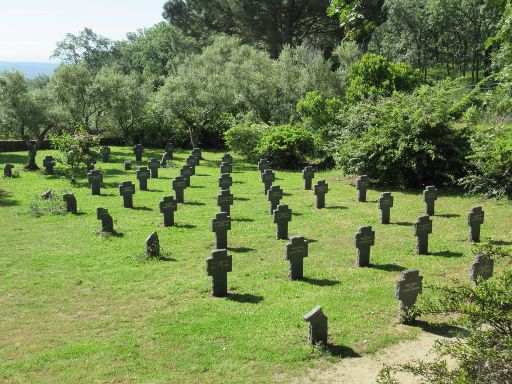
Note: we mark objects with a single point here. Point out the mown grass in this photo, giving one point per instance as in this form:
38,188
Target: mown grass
77,307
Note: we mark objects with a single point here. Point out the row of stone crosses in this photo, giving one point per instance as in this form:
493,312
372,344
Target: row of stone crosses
409,284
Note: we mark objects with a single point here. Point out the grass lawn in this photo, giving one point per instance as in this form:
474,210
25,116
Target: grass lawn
80,308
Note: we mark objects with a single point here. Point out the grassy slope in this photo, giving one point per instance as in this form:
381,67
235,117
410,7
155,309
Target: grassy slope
76,307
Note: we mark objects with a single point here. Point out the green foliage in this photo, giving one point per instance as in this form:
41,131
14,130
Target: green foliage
374,76
287,146
319,113
403,140
490,171
243,139
52,204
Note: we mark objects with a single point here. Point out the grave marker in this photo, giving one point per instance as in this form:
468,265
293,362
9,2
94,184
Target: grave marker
153,166
169,149
475,220
408,287
49,163
226,168
107,224
422,228
317,326
263,165
218,266
268,177
163,161
186,172
197,153
227,158
274,195
178,185
321,189
482,268
308,174
193,162
153,246
71,205
127,165
296,251
225,181
362,187
95,178
430,197
8,170
127,190
168,206
385,203
221,224
364,239
143,174
138,150
282,216
105,154
225,201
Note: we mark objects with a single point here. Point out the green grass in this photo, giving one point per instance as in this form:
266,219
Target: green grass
77,307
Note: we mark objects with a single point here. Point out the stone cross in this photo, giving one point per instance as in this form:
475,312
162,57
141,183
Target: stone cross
8,170
71,205
317,326
268,177
138,150
127,165
178,185
227,158
163,161
153,166
225,181
308,174
475,219
482,268
186,172
430,197
95,178
321,189
422,228
105,153
385,203
362,186
408,287
143,174
197,153
218,266
364,239
153,246
296,251
220,226
127,190
282,216
193,162
169,149
168,206
226,168
90,165
107,224
225,201
274,195
49,163
263,165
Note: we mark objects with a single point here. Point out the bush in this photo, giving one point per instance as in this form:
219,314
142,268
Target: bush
287,146
318,113
244,139
403,140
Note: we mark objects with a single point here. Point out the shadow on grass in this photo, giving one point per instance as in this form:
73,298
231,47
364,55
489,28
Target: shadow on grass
286,194
245,298
110,234
321,282
493,242
185,226
15,159
340,351
448,215
197,186
202,175
242,250
403,224
6,201
114,172
238,182
336,207
388,267
296,214
153,190
244,220
142,209
164,178
167,259
241,199
446,254
311,241
194,203
440,329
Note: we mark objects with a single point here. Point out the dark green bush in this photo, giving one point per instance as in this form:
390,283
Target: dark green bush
244,139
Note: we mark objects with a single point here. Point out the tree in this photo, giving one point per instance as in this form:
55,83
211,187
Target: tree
26,113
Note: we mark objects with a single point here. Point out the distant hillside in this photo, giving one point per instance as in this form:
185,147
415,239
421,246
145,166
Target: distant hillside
30,70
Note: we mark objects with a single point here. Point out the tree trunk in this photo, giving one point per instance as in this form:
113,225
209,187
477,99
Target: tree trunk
194,136
32,152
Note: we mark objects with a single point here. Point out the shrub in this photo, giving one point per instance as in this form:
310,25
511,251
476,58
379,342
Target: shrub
244,139
48,202
287,146
318,113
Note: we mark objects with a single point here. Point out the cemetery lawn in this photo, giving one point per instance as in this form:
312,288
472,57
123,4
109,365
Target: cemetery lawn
80,308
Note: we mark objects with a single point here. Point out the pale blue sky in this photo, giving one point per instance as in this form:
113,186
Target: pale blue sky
29,29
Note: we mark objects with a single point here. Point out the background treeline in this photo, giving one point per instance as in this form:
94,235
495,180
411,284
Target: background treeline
408,91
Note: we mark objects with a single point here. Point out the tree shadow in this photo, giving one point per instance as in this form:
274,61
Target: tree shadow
404,223
340,351
142,209
243,220
446,254
441,329
79,213
185,226
245,298
448,215
388,267
493,242
13,159
242,250
194,203
241,199
6,201
336,207
321,282
114,172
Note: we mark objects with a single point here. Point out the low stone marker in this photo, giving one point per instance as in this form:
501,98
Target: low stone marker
422,228
90,165
225,201
153,246
268,177
408,287
317,326
430,197
263,165
364,239
227,158
220,226
168,206
321,189
482,268
186,172
218,266
107,224
475,220
71,205
153,166
8,170
143,174
362,187
169,149
178,185
308,174
385,203
193,162
225,181
127,165
48,164
95,178
274,195
226,168
105,154
163,161
296,251
138,150
127,190
282,216
197,152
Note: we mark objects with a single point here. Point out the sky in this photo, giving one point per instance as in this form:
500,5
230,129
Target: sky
29,29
